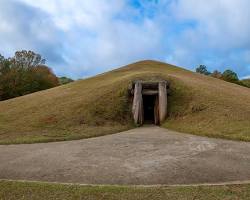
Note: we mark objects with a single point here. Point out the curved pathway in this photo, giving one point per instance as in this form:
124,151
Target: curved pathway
143,156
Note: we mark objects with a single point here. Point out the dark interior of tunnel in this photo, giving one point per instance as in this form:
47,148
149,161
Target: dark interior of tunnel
148,106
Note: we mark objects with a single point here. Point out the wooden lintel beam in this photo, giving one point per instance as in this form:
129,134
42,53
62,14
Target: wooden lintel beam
149,92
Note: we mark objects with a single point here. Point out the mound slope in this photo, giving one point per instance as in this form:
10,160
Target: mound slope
101,105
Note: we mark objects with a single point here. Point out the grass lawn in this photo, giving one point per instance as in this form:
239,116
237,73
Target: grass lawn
26,190
101,105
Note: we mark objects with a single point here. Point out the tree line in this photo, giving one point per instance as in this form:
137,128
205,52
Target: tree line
228,75
25,73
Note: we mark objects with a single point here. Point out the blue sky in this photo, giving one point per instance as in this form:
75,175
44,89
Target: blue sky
80,38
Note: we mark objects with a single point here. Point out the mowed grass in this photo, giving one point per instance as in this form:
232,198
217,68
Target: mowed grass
101,105
36,191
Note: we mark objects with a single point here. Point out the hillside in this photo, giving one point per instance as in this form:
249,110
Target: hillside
100,105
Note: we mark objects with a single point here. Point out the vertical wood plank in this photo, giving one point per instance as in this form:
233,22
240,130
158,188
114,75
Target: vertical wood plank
137,108
162,101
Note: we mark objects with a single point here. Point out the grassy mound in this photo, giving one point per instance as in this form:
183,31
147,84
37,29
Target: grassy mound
101,105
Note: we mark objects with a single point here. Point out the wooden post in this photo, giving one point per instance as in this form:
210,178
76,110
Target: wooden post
137,108
162,101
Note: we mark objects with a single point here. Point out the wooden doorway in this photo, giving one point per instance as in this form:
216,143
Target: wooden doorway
149,102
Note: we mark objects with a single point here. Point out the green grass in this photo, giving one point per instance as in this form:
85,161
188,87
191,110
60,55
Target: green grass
35,191
101,105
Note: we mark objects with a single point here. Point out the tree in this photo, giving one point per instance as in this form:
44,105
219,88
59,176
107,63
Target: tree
65,80
216,74
230,76
202,69
23,74
1,58
245,82
39,78
27,59
4,65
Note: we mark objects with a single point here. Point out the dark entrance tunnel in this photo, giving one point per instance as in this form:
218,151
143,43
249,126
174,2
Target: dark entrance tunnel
150,103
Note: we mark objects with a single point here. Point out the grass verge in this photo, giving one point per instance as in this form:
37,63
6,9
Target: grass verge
37,191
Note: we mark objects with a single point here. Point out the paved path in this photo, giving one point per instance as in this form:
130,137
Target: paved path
147,155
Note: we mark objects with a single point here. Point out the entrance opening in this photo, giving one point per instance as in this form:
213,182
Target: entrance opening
149,102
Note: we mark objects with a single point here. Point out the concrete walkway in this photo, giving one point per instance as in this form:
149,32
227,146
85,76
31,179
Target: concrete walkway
143,156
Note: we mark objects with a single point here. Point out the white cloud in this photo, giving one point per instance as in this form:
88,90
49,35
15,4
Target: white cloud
89,14
86,37
224,23
100,33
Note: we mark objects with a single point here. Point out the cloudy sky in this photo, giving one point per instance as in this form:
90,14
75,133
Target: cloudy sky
80,38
